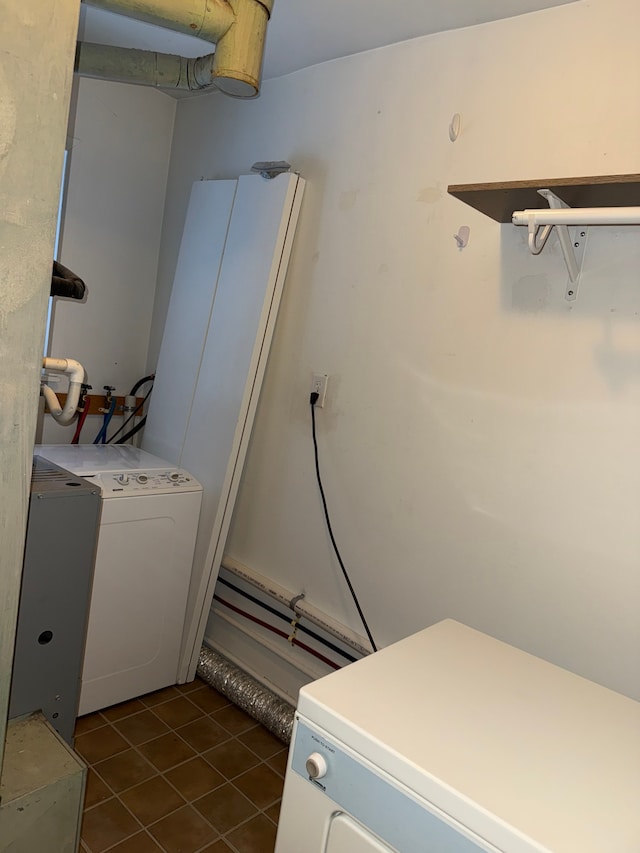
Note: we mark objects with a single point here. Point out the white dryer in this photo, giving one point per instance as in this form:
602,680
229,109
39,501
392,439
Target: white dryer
453,742
146,539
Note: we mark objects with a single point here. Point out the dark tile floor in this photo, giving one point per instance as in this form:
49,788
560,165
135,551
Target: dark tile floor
180,771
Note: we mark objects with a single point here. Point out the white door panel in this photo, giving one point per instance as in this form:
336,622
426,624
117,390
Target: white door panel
190,307
209,374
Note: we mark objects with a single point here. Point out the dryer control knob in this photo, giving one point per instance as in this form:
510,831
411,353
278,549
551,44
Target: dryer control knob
174,476
316,766
123,479
142,478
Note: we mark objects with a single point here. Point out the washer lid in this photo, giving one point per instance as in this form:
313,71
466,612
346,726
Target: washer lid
84,459
523,753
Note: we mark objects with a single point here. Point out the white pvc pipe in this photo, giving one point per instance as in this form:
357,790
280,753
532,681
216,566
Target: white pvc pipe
578,216
75,371
72,368
53,404
63,416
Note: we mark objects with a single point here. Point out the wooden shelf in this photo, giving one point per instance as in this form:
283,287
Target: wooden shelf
499,200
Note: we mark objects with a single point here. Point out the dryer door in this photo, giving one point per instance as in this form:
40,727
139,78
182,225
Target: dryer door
347,836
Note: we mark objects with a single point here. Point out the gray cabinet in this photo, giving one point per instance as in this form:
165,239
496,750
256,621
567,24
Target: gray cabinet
62,531
41,790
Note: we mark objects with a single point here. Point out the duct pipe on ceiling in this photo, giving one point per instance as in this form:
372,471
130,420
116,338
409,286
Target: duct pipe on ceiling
144,67
238,58
205,19
238,27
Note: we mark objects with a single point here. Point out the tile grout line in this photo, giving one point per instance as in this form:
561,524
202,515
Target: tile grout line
162,773
176,731
132,746
191,803
261,762
135,747
145,828
109,787
198,754
124,805
100,713
145,707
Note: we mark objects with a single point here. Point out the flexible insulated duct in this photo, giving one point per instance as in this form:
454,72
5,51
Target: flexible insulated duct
248,694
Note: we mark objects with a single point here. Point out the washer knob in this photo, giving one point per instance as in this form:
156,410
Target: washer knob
174,475
316,766
123,479
142,478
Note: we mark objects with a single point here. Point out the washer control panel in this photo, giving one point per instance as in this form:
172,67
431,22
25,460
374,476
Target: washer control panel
125,483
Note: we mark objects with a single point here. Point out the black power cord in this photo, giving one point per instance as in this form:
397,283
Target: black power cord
140,383
313,399
135,412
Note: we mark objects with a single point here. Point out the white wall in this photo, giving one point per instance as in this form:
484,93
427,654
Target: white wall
481,440
120,142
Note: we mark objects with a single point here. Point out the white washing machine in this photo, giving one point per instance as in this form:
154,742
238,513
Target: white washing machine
144,556
453,742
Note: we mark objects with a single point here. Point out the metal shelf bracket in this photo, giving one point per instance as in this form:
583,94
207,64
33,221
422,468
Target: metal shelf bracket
572,248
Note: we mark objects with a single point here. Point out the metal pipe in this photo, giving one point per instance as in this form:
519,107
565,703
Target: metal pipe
72,368
205,19
298,605
303,629
307,669
144,67
249,695
578,216
237,27
255,579
239,52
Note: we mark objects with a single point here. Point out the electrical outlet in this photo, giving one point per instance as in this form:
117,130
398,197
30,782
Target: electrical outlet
319,387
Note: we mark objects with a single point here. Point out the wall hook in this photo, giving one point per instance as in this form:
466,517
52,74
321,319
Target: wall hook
454,127
462,237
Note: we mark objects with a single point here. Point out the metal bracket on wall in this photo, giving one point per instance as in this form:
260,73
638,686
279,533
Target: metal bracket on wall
572,247
578,248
